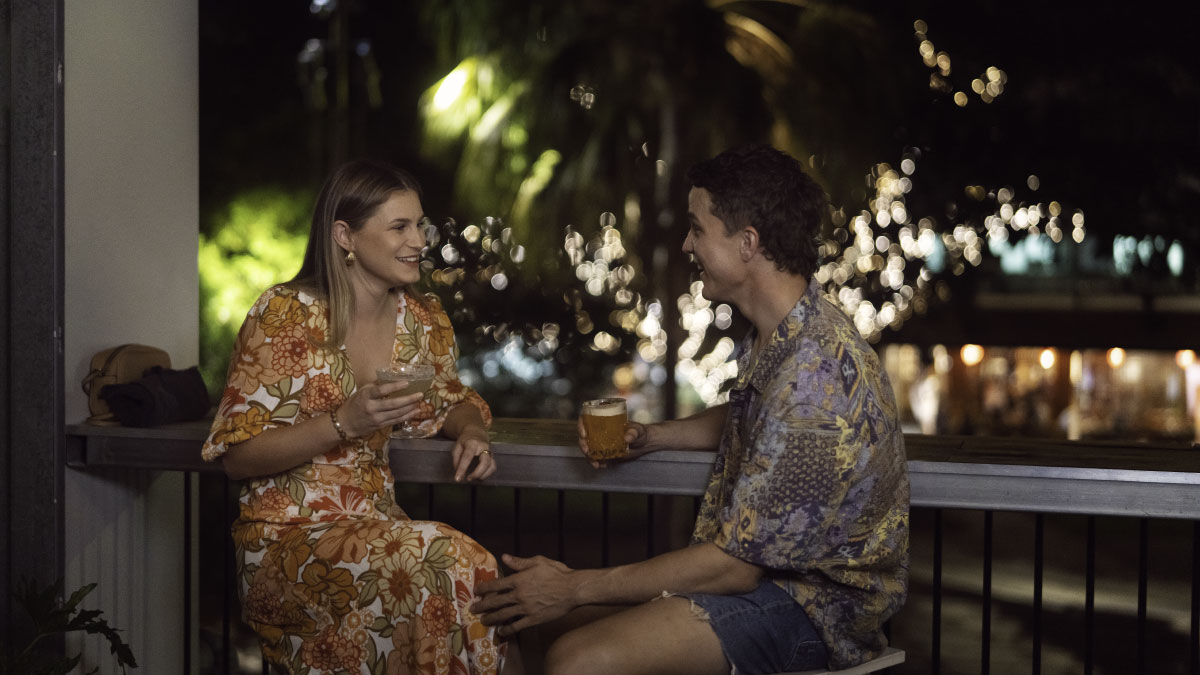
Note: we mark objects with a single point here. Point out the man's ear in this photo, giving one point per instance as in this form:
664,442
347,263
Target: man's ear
748,243
341,235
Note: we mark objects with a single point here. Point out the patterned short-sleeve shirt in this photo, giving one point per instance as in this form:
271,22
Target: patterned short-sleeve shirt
810,480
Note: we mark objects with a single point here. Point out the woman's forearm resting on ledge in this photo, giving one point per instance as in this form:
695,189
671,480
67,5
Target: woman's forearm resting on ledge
281,448
471,456
463,417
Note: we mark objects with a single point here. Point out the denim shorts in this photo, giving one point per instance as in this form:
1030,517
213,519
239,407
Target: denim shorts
763,631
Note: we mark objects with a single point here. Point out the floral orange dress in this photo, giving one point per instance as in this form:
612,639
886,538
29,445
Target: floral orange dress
335,578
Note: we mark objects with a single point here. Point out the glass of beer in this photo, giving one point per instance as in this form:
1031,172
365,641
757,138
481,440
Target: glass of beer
604,421
419,377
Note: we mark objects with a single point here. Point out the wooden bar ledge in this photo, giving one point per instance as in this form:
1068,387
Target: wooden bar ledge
960,472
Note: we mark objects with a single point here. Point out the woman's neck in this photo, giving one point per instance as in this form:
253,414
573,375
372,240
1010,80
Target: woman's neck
374,300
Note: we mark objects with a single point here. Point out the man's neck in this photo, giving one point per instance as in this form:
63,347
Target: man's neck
770,300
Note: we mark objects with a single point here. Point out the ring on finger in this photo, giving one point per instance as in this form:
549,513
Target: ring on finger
485,452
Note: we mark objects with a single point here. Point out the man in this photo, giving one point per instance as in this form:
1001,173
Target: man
800,549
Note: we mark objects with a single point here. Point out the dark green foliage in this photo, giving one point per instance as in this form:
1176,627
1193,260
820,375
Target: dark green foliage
48,617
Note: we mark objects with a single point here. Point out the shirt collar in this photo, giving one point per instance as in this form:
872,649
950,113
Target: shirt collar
782,343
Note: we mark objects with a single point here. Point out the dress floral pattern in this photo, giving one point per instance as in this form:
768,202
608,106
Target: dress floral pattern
335,577
810,480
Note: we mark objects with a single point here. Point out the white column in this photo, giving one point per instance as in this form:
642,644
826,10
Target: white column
131,88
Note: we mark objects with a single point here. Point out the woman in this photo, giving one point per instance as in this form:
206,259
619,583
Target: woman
334,576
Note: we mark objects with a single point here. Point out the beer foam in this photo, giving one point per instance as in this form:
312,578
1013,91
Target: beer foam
606,408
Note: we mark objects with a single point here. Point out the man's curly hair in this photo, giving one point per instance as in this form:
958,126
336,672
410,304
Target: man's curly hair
762,187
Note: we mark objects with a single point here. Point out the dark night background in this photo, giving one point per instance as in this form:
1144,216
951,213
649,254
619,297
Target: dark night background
1099,103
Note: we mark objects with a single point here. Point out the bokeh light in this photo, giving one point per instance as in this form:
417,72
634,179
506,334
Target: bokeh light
1115,356
1185,358
1046,359
971,354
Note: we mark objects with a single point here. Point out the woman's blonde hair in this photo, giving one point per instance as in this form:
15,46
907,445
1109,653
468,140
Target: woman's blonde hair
351,194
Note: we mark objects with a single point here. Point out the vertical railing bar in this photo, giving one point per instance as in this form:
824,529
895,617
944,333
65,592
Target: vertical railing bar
266,666
429,502
226,587
1039,562
187,572
649,526
604,548
516,540
1089,607
561,526
936,646
1194,659
1143,578
986,628
474,500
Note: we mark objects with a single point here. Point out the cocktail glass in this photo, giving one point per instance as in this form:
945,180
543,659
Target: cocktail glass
419,377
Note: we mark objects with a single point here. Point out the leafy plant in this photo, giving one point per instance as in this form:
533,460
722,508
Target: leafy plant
253,242
49,617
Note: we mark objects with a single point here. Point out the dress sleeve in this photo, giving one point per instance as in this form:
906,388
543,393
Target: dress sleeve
791,488
441,347
270,362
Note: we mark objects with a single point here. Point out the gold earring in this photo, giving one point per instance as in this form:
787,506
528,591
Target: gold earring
350,259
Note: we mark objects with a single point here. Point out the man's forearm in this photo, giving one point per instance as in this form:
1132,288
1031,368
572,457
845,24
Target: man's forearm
701,431
703,568
543,590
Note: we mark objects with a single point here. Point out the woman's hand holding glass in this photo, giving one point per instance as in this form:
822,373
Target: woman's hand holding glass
376,405
418,377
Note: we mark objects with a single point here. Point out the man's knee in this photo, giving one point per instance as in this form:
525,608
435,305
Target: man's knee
578,653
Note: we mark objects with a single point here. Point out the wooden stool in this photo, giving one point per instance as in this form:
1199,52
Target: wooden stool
890,657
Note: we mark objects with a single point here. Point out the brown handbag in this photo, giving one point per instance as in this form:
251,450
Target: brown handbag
118,365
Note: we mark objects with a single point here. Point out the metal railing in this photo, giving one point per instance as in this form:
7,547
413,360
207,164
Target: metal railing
551,502
459,507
